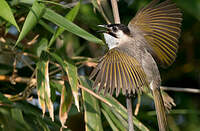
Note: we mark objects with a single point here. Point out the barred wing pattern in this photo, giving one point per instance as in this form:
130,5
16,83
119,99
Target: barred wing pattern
160,25
117,70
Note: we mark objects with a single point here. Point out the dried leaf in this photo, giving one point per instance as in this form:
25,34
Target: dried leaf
65,104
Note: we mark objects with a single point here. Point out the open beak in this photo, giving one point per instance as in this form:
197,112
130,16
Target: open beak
105,30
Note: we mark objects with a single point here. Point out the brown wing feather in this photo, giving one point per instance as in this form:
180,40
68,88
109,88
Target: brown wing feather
160,25
117,70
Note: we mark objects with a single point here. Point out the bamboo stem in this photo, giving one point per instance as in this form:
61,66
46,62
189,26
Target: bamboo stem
115,11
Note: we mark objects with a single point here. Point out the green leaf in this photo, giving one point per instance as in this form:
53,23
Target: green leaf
40,85
32,19
92,110
70,16
115,120
118,107
58,59
73,80
113,126
46,26
69,26
18,116
7,14
65,104
4,100
40,46
71,71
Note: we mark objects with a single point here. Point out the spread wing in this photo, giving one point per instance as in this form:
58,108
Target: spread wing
117,70
160,25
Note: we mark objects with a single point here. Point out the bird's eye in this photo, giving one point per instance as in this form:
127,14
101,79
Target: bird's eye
114,29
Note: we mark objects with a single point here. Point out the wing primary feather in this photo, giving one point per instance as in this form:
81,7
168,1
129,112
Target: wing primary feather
103,77
159,23
131,74
123,79
119,81
108,80
150,5
112,76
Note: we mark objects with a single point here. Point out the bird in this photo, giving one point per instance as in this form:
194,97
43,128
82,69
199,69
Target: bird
136,50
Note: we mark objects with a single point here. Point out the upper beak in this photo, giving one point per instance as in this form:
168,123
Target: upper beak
103,26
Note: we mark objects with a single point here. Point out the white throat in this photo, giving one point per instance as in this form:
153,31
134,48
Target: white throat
114,42
111,41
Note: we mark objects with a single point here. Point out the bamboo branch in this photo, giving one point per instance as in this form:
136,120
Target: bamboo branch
179,89
95,95
33,80
115,11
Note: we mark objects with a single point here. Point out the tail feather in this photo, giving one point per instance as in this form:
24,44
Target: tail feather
160,110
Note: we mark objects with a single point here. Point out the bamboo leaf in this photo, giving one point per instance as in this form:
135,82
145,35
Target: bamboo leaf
118,107
48,91
18,116
4,100
70,16
46,26
44,93
113,126
7,14
71,71
32,19
115,120
65,104
92,110
69,26
73,80
40,85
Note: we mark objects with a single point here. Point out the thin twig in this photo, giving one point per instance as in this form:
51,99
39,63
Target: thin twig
70,5
102,12
16,79
95,95
179,89
55,71
115,11
27,64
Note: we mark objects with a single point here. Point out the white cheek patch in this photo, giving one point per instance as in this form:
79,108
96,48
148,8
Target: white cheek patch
111,41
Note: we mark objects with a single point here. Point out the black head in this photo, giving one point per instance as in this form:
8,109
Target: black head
115,29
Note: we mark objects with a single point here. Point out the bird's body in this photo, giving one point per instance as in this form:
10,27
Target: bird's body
134,51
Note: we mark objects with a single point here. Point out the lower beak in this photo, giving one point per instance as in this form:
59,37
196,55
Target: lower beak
105,27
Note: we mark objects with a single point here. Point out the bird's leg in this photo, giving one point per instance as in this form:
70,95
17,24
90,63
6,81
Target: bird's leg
130,112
